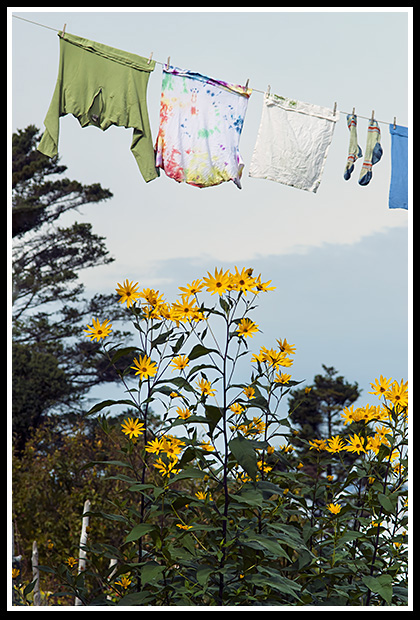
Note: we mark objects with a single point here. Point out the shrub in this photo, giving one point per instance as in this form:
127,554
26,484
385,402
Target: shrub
217,509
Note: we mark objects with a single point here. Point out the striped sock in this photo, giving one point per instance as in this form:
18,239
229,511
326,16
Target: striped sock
354,149
373,152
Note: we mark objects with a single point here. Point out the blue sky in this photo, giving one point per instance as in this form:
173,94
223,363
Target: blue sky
340,259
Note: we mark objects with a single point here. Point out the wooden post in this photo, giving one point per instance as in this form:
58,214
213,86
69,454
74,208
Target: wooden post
83,541
35,575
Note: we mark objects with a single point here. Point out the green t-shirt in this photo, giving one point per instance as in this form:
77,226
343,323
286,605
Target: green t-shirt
102,86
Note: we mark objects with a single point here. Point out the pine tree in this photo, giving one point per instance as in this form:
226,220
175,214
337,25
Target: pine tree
52,358
315,410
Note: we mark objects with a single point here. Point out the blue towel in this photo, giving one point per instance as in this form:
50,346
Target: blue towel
398,190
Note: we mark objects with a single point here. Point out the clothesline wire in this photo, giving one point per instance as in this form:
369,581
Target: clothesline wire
164,64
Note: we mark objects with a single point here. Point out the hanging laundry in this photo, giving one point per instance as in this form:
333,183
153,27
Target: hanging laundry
398,190
102,86
201,121
355,152
292,142
373,152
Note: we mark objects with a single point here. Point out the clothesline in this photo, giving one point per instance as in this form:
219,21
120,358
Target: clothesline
164,64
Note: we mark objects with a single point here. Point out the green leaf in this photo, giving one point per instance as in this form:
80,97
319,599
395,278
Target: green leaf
122,352
199,351
348,536
109,403
213,415
203,574
386,503
151,571
162,338
189,472
138,531
243,451
251,497
381,585
269,544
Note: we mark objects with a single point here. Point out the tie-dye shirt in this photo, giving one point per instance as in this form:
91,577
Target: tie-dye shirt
201,120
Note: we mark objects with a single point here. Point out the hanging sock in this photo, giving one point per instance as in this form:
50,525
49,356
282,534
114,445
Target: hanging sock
355,152
373,152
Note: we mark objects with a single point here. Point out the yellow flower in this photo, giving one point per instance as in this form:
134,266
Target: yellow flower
247,328
206,446
282,378
98,330
154,446
124,582
335,444
334,508
152,297
398,394
236,408
180,362
128,292
249,392
71,561
374,443
285,347
132,428
218,283
347,415
242,281
203,496
144,367
380,386
264,467
166,469
15,573
172,446
381,433
192,289
205,388
318,444
286,361
182,526
185,310
183,413
355,444
263,286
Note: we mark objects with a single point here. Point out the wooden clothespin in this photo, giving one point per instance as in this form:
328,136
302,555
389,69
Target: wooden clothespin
247,82
335,108
168,62
268,89
372,118
150,58
354,110
395,122
63,31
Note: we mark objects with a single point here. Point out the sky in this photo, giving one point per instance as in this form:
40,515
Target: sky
340,259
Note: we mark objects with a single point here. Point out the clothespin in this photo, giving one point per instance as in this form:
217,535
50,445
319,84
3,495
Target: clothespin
395,122
247,82
354,109
63,31
168,63
372,118
150,58
268,89
335,108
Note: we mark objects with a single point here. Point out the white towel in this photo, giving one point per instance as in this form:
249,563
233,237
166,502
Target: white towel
292,142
